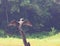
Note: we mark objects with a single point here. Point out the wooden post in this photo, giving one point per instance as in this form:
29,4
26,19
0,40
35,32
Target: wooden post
24,38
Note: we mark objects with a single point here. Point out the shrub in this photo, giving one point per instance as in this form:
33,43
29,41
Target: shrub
1,33
53,31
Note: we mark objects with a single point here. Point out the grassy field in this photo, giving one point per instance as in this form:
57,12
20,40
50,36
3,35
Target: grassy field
49,41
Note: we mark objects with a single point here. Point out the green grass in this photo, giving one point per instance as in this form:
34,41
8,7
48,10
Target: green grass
48,41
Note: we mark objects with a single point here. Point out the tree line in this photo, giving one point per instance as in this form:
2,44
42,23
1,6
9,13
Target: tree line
43,14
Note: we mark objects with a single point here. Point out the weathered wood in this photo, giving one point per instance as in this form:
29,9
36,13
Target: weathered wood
24,37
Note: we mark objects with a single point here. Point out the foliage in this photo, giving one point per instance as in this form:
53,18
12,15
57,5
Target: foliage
2,33
53,31
43,14
49,41
39,35
32,35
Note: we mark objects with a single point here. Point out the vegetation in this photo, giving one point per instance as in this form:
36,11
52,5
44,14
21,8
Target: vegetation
39,35
43,14
49,41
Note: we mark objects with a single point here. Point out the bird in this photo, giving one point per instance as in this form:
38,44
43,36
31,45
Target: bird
19,24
